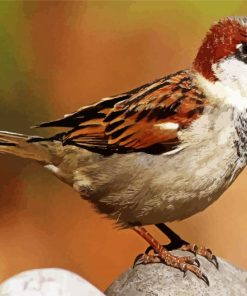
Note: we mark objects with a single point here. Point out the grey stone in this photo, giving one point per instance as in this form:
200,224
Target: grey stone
160,280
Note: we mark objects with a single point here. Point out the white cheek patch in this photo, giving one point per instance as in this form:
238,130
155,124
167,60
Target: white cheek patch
233,72
231,88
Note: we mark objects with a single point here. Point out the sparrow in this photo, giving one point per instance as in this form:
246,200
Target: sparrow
161,152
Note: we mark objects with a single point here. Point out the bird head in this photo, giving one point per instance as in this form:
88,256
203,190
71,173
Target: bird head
225,43
222,57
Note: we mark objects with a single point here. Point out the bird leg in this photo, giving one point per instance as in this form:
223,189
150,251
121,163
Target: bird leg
163,255
178,243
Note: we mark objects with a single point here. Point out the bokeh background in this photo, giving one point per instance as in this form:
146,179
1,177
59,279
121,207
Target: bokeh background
54,58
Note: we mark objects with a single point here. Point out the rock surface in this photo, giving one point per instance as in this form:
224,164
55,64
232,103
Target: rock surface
48,282
161,280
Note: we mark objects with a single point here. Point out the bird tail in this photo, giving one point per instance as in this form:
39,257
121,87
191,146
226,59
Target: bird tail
34,148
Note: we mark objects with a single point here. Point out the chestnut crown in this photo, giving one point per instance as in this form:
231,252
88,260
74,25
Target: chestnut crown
226,38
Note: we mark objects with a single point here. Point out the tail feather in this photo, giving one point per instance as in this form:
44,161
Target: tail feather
20,145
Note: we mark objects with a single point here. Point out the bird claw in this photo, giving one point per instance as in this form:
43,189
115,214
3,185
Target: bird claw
183,263
202,251
198,262
205,279
146,259
137,260
195,250
194,269
215,262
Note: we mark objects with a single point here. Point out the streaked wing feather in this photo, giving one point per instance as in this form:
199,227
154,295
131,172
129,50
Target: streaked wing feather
149,116
176,101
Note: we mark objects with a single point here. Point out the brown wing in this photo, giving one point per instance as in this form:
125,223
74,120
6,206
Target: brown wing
145,119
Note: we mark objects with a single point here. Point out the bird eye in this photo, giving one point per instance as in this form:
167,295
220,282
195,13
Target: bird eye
241,52
243,48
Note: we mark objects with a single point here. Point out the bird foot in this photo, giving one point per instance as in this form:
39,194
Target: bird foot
162,255
193,248
202,251
177,243
186,263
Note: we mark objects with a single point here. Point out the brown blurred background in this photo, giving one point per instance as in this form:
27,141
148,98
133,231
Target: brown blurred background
58,56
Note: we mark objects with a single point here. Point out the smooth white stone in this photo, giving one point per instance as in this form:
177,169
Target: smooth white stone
48,282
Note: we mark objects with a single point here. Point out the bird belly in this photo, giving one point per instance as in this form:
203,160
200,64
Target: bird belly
140,189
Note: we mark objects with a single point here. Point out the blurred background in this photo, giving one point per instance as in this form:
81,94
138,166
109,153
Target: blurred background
54,58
